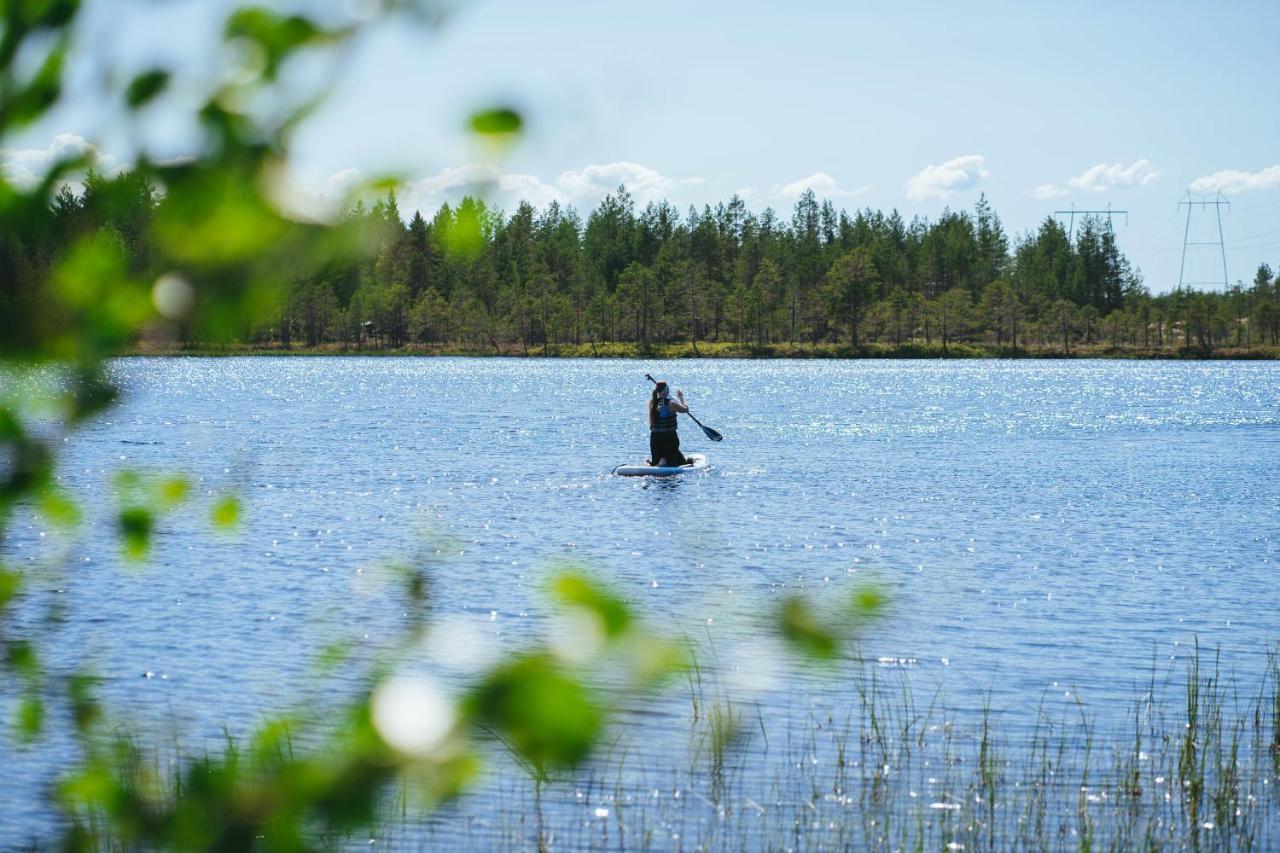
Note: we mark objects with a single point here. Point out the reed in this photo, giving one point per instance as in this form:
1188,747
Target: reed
1189,767
1191,764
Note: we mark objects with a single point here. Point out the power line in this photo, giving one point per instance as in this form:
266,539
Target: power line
1073,213
1259,234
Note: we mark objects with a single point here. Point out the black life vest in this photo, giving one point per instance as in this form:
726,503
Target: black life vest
666,421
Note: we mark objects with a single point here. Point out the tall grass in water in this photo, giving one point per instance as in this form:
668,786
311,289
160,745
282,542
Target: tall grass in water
1192,765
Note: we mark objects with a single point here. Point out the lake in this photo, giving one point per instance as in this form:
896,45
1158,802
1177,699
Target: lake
1047,532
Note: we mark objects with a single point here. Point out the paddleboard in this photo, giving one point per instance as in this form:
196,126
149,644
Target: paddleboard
698,462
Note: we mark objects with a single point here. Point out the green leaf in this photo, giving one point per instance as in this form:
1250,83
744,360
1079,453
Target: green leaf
226,512
801,628
333,655
128,482
58,508
21,658
92,786
868,601
653,659
443,780
30,719
31,101
136,524
45,14
547,717
84,705
93,282
10,427
819,633
499,121
271,744
277,35
28,465
173,491
577,590
146,86
10,586
213,219
417,586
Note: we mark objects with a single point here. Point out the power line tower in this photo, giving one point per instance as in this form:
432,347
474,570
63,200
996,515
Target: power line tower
1192,200
1073,213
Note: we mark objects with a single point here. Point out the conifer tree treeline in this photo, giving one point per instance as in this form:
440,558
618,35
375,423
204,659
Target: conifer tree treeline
474,277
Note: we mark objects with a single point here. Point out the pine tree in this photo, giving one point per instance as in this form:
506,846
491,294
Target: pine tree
849,286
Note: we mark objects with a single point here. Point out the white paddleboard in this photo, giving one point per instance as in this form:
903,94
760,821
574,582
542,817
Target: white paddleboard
698,462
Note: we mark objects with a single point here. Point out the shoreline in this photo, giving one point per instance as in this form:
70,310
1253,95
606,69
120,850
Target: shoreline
722,351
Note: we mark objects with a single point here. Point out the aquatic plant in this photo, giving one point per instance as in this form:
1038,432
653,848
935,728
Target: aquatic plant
918,778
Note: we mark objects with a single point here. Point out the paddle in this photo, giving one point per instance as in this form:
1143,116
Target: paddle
710,433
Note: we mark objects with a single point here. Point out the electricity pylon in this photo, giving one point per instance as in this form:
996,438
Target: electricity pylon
1073,213
1197,200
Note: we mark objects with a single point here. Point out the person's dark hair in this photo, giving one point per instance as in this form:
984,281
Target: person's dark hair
653,402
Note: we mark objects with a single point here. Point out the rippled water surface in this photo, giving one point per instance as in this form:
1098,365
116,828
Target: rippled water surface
1043,527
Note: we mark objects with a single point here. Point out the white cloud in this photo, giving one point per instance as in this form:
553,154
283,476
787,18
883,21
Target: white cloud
1049,191
502,188
26,167
1103,177
822,184
952,176
645,185
584,187
506,190
1233,181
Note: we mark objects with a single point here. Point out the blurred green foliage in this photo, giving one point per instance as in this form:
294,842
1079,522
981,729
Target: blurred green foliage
10,585
576,590
547,717
496,122
143,499
136,523
145,87
821,632
226,512
801,628
200,246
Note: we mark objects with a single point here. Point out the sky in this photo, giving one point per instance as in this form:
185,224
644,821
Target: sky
910,106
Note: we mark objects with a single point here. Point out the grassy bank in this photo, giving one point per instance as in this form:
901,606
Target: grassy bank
723,350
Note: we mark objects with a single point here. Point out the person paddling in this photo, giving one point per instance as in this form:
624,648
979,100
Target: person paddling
664,441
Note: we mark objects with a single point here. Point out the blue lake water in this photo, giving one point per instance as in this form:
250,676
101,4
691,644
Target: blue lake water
1044,528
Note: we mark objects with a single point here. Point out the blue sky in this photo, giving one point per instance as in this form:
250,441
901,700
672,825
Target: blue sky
914,106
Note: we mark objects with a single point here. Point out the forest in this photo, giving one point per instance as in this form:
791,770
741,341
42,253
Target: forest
475,279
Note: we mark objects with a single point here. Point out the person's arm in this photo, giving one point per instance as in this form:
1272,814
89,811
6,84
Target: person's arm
679,406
